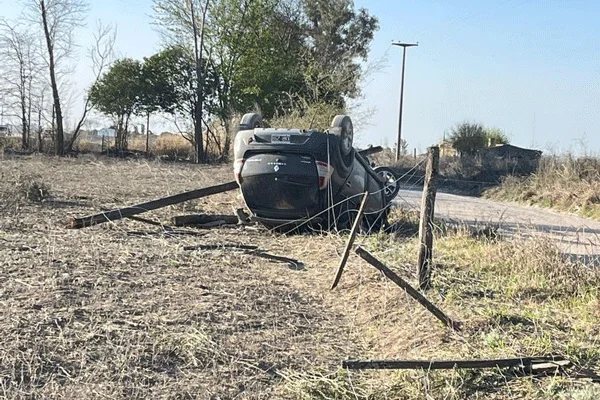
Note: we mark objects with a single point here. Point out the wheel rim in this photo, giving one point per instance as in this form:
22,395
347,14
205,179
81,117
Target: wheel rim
390,185
346,143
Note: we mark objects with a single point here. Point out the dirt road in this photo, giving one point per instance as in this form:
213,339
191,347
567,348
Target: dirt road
577,237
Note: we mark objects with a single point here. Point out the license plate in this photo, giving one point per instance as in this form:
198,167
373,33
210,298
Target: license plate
280,138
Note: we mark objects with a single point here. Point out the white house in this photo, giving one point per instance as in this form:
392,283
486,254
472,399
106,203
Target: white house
110,132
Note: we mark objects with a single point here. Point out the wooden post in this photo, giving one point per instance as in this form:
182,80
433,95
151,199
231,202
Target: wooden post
412,292
426,223
353,233
113,215
525,363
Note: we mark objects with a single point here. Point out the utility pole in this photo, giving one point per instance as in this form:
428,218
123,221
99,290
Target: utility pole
404,46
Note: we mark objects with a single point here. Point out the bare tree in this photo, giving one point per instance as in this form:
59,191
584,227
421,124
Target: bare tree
58,20
101,55
19,68
198,46
184,21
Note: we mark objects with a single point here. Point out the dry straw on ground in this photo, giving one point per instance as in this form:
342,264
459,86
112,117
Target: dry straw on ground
100,313
566,183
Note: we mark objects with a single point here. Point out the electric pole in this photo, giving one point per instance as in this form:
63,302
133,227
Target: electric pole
404,46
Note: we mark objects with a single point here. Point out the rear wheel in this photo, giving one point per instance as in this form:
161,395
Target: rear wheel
342,150
250,121
390,186
345,132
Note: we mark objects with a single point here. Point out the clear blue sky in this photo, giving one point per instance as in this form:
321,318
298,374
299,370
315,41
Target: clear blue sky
529,67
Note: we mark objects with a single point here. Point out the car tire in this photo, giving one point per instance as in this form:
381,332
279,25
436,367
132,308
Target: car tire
342,150
250,121
391,186
345,132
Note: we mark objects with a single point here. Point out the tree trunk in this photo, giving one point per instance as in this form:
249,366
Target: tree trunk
228,134
59,135
198,139
125,132
40,145
23,119
147,134
29,112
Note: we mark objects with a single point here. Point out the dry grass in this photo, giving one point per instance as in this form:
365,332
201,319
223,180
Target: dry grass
173,146
101,313
565,183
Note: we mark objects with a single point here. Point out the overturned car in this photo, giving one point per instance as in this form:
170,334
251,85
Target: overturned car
292,178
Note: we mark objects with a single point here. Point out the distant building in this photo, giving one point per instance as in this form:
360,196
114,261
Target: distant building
4,130
110,132
511,158
447,149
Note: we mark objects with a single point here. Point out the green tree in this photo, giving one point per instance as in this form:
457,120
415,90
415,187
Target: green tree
468,138
496,136
117,94
338,38
169,80
161,76
270,55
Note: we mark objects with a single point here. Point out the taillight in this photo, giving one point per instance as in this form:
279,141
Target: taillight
237,169
325,171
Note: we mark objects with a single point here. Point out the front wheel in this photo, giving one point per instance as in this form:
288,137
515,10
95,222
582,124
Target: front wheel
391,187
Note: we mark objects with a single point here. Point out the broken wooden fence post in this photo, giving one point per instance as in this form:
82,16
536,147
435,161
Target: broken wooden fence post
113,215
353,233
439,314
426,223
202,219
528,364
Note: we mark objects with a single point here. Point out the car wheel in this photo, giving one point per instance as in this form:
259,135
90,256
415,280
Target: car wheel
250,121
345,132
391,187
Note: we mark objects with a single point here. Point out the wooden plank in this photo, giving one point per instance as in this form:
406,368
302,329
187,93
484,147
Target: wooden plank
525,363
407,288
221,246
150,222
201,219
426,223
114,215
351,239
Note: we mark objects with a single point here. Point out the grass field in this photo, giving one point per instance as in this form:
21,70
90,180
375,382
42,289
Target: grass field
123,310
566,183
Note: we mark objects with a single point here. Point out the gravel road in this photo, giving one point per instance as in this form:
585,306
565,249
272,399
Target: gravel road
575,236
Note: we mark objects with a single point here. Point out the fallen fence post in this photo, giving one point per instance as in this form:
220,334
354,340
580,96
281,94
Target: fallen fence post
113,215
150,222
247,249
353,233
221,246
439,314
528,364
201,219
426,223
